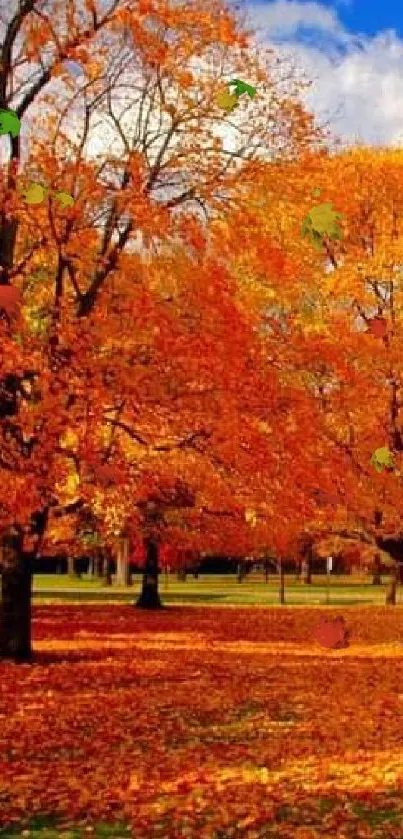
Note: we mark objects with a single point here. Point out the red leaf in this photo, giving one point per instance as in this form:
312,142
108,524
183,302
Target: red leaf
332,634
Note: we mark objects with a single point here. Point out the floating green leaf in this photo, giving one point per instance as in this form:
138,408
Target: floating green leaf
242,87
9,122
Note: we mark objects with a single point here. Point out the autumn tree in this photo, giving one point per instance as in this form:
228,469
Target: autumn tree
337,321
153,75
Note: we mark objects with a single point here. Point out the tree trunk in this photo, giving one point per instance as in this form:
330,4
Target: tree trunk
16,608
9,225
376,575
241,571
71,570
282,584
107,569
123,576
182,575
149,597
306,571
98,560
91,566
391,592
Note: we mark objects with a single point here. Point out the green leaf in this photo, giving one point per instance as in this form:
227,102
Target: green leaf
9,122
242,87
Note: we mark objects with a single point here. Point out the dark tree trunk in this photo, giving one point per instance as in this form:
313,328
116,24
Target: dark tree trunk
149,597
182,575
9,225
241,571
16,607
391,592
107,569
376,575
98,560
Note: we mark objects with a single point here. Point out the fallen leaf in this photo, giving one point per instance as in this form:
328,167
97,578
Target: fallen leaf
332,634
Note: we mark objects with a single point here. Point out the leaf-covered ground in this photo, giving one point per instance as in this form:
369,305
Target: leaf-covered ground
203,723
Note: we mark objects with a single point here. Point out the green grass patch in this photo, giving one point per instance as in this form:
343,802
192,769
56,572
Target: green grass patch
218,589
49,827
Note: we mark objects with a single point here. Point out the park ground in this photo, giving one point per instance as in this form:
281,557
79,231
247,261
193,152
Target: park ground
207,722
220,590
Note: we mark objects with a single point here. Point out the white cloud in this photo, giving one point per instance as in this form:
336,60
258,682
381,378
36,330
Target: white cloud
287,15
357,80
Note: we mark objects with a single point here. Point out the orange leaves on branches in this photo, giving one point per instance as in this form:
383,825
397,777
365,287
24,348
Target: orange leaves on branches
10,299
378,327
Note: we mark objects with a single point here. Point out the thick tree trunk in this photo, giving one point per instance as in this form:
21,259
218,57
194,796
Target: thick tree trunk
391,591
266,571
182,575
15,613
123,576
149,597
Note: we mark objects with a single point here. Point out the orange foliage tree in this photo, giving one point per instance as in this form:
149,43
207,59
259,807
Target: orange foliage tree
82,354
338,322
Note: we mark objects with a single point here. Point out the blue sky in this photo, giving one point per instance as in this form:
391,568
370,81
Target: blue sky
352,50
370,16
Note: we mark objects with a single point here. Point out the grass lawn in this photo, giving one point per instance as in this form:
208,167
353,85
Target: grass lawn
203,724
217,589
